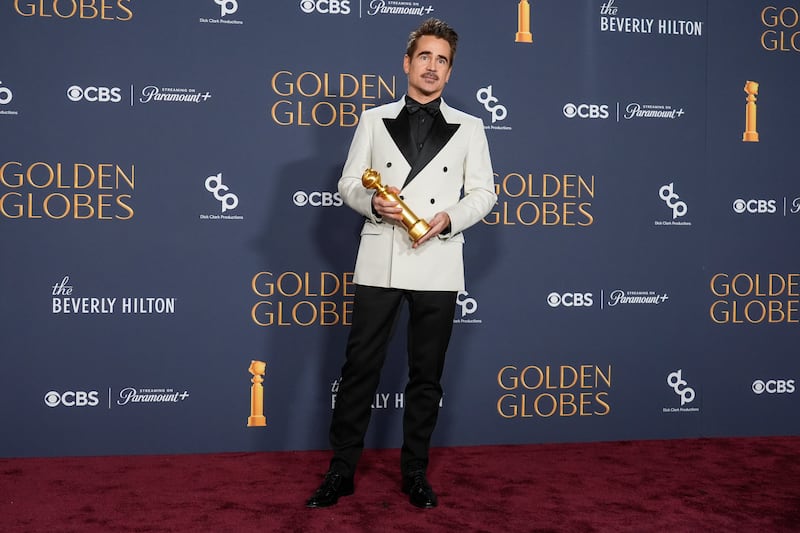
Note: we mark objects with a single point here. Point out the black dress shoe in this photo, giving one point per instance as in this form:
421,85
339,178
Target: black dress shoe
419,491
333,486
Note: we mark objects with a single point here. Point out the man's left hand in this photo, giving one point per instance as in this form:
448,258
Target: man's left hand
438,223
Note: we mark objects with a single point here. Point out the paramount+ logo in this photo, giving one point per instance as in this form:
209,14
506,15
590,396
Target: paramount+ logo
72,398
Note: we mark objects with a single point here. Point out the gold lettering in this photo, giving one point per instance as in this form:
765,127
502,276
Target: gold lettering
354,80
501,406
17,213
18,175
501,381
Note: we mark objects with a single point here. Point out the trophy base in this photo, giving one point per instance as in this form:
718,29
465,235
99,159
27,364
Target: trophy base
524,37
418,230
255,421
750,136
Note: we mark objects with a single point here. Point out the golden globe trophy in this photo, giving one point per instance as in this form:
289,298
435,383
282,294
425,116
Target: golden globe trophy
417,227
750,132
257,418
524,34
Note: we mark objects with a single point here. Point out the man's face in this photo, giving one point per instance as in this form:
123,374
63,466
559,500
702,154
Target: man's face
429,69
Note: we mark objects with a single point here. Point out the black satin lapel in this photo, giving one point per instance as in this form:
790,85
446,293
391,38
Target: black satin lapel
400,132
440,134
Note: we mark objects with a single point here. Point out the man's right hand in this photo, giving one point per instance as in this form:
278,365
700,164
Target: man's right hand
387,208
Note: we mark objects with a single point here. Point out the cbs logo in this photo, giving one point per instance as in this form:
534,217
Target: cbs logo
755,206
570,299
94,94
71,398
317,199
774,386
333,7
592,111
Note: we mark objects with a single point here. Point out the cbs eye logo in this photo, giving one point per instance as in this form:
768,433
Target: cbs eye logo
317,199
754,206
591,111
71,398
94,94
570,299
332,7
773,386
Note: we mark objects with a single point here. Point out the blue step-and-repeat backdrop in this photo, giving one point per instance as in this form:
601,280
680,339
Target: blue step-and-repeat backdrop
169,214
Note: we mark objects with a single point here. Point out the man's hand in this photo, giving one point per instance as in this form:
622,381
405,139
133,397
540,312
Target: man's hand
387,208
438,224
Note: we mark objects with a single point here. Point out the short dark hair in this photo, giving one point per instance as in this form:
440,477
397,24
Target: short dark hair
437,28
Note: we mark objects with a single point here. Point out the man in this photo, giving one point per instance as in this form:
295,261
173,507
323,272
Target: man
436,159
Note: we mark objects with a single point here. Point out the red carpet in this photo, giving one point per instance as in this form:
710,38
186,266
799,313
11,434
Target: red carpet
743,484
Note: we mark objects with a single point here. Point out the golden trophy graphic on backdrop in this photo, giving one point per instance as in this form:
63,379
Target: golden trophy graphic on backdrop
417,227
524,34
257,418
750,132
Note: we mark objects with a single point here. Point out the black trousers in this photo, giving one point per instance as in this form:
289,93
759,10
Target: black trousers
430,324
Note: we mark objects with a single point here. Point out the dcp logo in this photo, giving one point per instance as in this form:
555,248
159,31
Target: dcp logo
678,384
570,299
591,111
94,94
467,305
332,7
5,94
484,96
755,206
317,199
214,185
774,386
71,398
227,7
667,194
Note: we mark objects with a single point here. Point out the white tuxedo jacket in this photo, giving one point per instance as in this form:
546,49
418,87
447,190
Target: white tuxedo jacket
453,173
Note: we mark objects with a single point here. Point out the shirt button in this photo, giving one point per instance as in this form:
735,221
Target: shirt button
433,200
389,164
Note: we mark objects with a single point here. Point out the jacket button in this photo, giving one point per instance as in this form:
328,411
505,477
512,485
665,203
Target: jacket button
402,197
433,200
389,164
445,169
